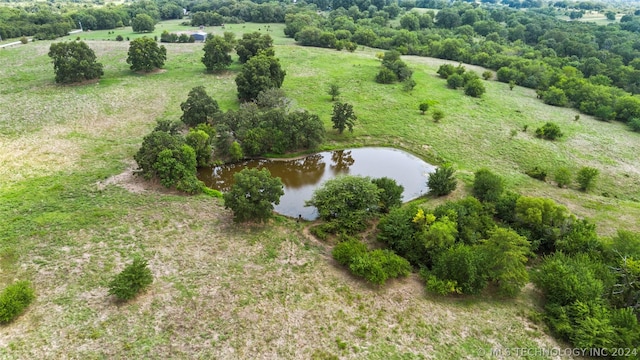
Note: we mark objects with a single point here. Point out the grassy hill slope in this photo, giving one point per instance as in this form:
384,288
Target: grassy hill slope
261,291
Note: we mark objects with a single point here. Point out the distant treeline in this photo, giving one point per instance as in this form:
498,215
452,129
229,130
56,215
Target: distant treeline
593,68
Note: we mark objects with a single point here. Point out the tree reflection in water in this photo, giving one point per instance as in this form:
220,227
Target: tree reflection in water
342,161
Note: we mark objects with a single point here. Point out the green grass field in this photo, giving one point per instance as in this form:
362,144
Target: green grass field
73,216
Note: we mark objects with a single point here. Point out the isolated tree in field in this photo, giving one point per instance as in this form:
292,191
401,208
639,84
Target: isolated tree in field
199,107
216,53
142,23
74,61
586,178
145,55
253,194
334,91
343,117
549,131
259,73
424,106
442,181
252,44
437,115
133,279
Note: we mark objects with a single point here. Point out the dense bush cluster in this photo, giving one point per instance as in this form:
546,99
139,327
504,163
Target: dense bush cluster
375,266
458,77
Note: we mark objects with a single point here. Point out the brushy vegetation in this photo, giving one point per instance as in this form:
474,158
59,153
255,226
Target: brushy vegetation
133,279
14,299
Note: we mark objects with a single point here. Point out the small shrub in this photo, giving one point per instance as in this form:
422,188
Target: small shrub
14,300
549,131
586,178
562,177
133,279
512,84
390,195
424,106
487,186
379,265
524,128
537,173
24,40
487,75
119,38
513,133
474,88
348,250
455,81
441,287
437,115
463,265
386,76
442,181
408,84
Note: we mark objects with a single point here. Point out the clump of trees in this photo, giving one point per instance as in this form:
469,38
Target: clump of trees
253,194
167,37
393,69
252,44
458,77
375,266
74,61
145,55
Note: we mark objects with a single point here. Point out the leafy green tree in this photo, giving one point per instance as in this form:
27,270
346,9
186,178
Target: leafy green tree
474,88
442,181
253,194
437,234
586,178
474,220
200,142
199,108
152,145
506,256
549,131
334,91
386,76
145,54
462,264
397,230
555,96
391,194
252,44
14,299
259,73
235,151
216,53
143,23
634,124
610,15
343,117
349,201
134,278
424,106
562,177
487,186
178,167
74,61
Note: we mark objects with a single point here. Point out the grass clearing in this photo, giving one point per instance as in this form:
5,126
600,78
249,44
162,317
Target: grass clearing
228,291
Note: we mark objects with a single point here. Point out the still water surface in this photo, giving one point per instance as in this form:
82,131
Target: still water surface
302,176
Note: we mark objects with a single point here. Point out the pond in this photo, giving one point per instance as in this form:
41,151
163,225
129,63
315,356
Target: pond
302,176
